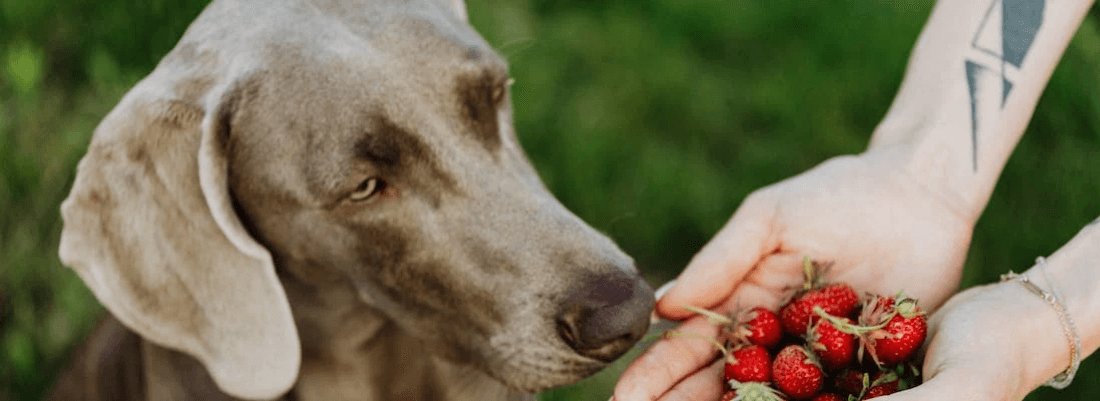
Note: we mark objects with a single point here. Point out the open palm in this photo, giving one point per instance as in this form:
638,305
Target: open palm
881,229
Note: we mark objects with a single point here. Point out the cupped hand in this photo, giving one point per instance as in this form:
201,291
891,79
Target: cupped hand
996,342
882,229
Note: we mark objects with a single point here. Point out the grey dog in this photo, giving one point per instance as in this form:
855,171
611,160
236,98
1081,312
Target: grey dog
326,200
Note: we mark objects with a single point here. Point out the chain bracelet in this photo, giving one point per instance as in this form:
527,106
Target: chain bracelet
1063,379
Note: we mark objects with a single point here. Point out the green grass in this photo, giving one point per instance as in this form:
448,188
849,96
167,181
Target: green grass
650,119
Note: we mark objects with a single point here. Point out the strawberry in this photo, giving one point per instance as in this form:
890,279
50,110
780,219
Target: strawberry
879,391
836,299
890,330
836,349
752,391
860,386
798,314
828,397
899,329
885,383
849,381
749,364
759,326
796,373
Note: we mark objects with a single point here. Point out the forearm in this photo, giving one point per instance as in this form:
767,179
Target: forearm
1073,274
973,80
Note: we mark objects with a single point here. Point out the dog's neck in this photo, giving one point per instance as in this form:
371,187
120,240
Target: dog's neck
347,354
351,352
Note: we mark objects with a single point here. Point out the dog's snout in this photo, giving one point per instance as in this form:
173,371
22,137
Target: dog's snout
605,316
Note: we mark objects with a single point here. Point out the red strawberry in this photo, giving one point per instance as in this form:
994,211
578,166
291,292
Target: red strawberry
796,373
880,390
836,349
828,397
849,381
899,329
760,326
752,391
798,314
885,383
835,299
749,364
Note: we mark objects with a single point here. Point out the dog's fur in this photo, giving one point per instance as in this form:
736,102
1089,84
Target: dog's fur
218,217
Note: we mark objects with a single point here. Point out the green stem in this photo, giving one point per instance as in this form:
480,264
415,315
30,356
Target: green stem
853,329
808,272
713,317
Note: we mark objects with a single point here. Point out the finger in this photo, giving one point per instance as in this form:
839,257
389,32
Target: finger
668,362
773,279
663,289
776,275
654,317
706,384
748,295
713,273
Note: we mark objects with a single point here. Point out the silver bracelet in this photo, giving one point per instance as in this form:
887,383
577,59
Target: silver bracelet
1063,379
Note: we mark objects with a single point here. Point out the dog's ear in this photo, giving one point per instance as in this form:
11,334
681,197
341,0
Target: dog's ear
459,7
150,227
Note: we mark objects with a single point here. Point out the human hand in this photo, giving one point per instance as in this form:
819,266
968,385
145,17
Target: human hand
997,342
883,230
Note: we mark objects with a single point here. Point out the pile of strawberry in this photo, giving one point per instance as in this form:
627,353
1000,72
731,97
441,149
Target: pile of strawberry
814,348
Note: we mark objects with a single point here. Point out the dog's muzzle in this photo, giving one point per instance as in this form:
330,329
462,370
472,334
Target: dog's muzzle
605,316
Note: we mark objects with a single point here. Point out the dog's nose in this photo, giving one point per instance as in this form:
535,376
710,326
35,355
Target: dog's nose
605,316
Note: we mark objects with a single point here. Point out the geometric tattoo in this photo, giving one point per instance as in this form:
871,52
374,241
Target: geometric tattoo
1002,41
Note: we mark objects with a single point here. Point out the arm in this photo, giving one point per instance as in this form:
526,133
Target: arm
1074,276
974,78
900,215
1008,364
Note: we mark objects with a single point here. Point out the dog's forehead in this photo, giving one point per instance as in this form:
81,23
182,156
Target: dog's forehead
429,38
402,56
349,88
415,40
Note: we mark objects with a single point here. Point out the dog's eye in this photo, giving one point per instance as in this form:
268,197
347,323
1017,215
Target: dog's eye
367,189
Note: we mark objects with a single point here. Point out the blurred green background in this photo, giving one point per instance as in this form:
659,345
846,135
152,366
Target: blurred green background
649,119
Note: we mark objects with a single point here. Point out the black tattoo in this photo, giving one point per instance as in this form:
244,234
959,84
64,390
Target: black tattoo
1019,22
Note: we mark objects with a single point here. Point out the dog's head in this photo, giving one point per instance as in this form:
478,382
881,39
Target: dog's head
365,145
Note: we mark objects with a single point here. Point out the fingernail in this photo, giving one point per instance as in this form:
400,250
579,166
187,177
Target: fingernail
660,293
653,318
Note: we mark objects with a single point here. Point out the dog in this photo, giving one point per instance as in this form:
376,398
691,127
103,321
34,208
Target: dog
326,200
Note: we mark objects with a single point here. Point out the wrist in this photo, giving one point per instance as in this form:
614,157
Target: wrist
956,120
929,172
1073,273
1069,274
1018,336
1050,347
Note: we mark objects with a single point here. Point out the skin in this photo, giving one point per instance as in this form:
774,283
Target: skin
970,355
898,216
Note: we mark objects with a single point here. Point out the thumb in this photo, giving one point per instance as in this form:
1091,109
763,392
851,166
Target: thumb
724,261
